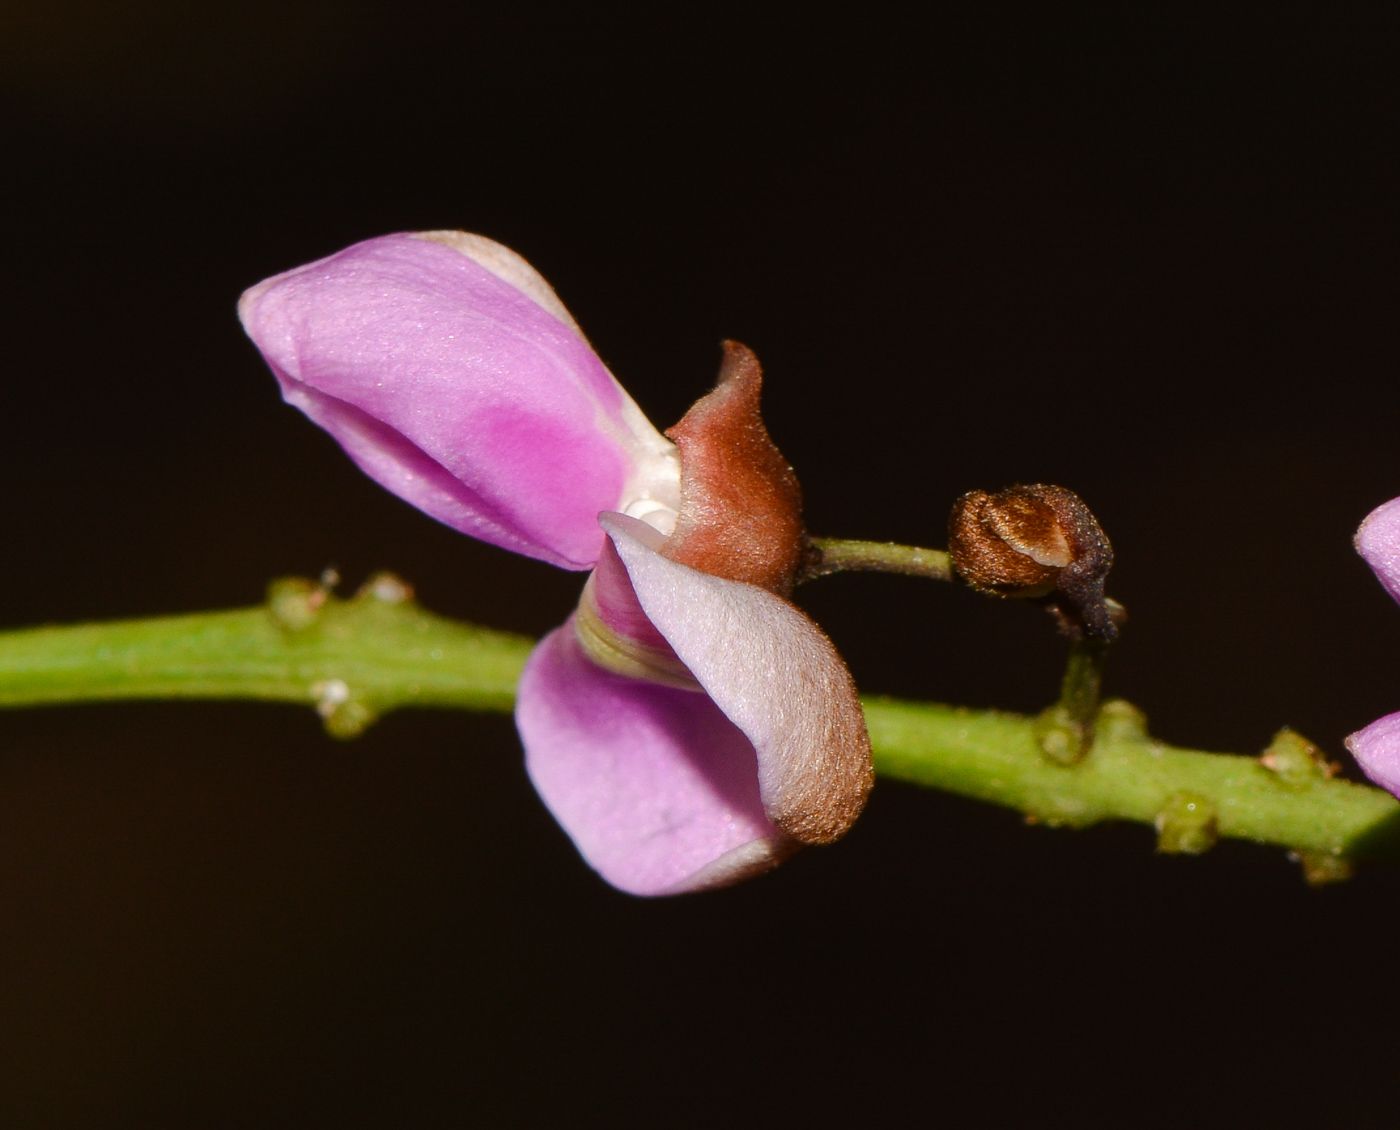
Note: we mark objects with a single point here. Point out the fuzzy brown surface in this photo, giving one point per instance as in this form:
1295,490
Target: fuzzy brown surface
741,505
1035,541
989,537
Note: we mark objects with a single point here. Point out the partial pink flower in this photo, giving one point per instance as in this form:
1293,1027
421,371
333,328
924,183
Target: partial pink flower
1377,747
688,726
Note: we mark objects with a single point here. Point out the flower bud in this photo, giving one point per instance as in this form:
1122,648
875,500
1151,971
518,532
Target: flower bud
1036,541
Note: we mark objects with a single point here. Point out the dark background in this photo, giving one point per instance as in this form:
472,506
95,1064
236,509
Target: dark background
1151,261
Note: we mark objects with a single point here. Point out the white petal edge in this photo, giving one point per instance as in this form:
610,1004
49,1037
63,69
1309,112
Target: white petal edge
507,266
772,672
747,862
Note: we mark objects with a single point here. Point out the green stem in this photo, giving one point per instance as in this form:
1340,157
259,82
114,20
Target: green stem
351,659
1129,776
841,555
356,659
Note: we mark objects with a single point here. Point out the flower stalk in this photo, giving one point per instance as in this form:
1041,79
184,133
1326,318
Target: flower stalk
1066,730
841,555
356,659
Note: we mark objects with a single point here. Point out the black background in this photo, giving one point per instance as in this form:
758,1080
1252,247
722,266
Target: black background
1151,261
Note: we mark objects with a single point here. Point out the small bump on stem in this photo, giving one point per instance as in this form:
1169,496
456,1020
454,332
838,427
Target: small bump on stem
1297,762
1323,868
386,588
1120,721
295,603
1187,825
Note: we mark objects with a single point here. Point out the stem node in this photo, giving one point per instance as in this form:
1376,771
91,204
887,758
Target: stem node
1066,730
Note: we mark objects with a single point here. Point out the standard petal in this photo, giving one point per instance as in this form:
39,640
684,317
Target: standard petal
445,370
1377,751
655,786
1378,541
773,673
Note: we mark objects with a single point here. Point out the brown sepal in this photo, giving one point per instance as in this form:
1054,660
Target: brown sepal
1036,541
741,506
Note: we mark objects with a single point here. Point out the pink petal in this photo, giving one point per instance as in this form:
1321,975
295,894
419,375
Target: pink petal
452,375
1377,751
773,674
1378,541
612,594
656,787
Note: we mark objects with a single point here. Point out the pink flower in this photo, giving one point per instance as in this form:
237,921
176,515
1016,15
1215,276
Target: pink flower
688,726
1377,747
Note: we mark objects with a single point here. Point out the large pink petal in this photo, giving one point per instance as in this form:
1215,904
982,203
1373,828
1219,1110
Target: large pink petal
772,672
456,384
1377,751
656,787
1378,541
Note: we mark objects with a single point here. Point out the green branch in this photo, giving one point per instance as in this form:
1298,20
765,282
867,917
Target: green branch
1287,797
350,659
356,659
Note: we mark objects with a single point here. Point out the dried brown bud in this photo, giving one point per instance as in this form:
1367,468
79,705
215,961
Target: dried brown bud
1036,541
741,507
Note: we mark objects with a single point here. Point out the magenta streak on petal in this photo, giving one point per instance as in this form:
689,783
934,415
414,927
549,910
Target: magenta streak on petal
656,787
395,463
1378,541
467,378
1377,751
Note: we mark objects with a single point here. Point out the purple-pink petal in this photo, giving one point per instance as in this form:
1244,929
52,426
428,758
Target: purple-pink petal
655,786
1377,751
772,672
611,592
1378,542
460,390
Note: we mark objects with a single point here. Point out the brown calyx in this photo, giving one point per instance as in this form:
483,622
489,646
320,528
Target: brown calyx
1036,541
741,505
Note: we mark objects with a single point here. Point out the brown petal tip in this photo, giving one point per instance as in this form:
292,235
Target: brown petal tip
741,505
